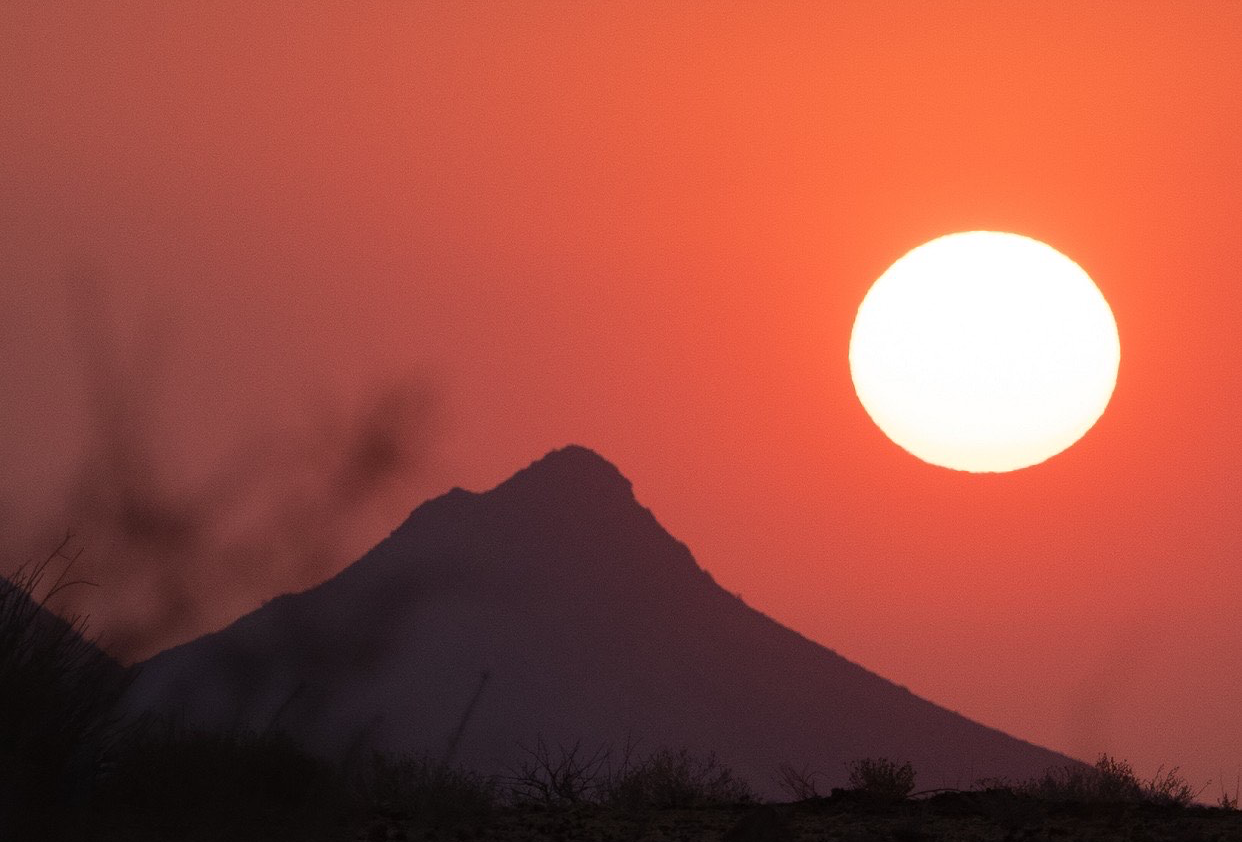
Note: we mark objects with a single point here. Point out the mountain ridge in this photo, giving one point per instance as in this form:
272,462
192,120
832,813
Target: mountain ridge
570,611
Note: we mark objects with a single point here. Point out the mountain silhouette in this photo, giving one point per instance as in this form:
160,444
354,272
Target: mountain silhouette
555,606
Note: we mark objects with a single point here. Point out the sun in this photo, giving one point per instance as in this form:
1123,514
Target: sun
984,351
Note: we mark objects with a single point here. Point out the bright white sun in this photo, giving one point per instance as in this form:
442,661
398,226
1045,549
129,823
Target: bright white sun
984,351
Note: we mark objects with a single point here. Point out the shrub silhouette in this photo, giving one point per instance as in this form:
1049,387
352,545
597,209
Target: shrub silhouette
677,780
1111,781
881,779
663,780
1169,789
58,694
1229,802
568,775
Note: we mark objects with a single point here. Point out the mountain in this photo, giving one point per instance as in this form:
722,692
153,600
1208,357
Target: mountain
556,606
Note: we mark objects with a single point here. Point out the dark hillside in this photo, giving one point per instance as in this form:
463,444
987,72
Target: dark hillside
556,605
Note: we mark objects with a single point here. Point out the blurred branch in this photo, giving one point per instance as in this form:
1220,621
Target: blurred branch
167,549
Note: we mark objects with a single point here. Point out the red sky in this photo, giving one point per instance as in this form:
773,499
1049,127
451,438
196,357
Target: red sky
647,230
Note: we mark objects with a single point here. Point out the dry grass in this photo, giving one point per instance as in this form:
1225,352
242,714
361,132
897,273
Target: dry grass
1111,781
58,692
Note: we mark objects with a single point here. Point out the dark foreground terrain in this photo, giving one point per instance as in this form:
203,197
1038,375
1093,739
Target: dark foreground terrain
971,816
166,784
982,816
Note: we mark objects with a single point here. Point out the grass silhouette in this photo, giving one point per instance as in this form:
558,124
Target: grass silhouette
58,693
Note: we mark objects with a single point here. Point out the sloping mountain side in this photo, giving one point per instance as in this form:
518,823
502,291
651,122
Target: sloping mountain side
556,606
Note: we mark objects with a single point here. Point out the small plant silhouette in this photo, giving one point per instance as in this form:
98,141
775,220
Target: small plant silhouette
1227,801
881,779
798,783
1169,789
668,780
568,775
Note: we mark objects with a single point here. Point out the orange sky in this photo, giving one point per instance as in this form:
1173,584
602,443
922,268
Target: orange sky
647,230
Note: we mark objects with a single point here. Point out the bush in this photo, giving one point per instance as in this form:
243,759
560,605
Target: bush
1111,781
677,780
1114,781
566,776
425,789
663,780
1169,789
881,779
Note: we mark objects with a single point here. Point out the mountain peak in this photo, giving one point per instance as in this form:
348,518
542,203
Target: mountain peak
574,470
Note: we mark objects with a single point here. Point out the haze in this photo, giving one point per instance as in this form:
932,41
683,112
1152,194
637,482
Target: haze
649,233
